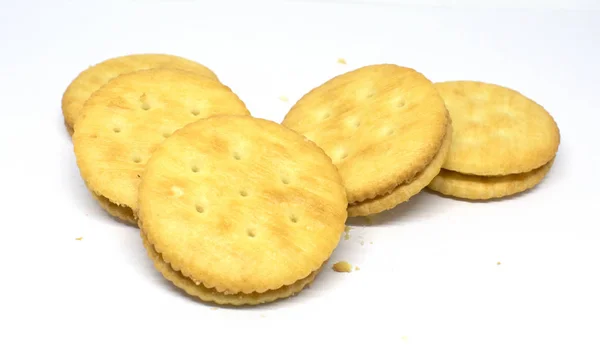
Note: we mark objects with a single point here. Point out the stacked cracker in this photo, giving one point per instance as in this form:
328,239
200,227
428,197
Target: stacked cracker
239,210
232,209
386,129
391,133
504,143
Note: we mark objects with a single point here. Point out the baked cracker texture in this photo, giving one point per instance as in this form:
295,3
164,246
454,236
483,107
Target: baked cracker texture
404,192
94,77
503,142
474,187
497,130
381,125
125,120
240,210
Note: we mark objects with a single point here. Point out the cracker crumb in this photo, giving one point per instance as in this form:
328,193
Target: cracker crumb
347,233
357,268
498,263
371,242
79,238
283,98
214,308
341,61
342,266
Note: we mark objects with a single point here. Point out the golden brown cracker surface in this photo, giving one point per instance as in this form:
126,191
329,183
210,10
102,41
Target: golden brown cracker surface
126,119
487,187
380,124
497,130
91,79
241,204
404,192
211,295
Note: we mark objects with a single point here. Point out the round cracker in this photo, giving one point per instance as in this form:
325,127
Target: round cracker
473,187
497,130
241,204
380,124
405,191
126,119
211,295
91,79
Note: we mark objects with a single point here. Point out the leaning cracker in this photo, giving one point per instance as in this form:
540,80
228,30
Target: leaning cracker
380,124
497,130
242,210
487,187
91,79
125,120
404,192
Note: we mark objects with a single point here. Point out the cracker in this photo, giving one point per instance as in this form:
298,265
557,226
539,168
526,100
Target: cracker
91,79
120,212
404,192
125,120
242,205
380,124
497,130
473,187
211,295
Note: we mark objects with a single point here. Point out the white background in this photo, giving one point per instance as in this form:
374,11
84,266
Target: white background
430,281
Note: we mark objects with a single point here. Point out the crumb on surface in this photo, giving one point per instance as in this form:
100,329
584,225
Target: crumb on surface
347,233
283,98
214,308
342,266
362,243
341,61
498,263
371,242
79,238
357,268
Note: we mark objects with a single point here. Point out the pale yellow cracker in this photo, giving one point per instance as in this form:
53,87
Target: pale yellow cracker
497,130
91,79
380,124
404,192
487,187
242,205
125,120
211,295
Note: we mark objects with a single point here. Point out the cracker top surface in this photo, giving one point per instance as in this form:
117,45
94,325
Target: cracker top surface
125,120
380,124
94,77
242,204
497,130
